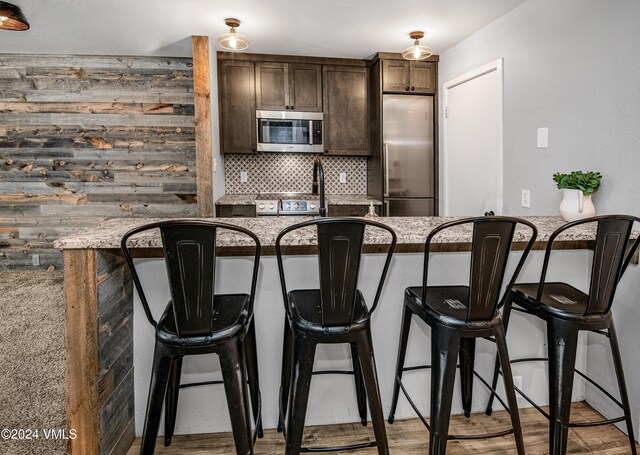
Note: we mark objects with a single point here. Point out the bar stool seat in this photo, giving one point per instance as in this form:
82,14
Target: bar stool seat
443,303
306,311
229,317
559,299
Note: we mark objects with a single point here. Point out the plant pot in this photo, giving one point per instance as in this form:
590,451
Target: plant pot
575,205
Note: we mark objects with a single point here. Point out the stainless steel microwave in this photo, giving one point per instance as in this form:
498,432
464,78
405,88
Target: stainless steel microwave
280,131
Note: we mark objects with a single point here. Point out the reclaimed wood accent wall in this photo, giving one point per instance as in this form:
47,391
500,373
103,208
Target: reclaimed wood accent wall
83,138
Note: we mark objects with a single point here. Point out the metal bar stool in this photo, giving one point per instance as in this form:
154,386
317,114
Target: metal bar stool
566,311
197,321
457,316
334,313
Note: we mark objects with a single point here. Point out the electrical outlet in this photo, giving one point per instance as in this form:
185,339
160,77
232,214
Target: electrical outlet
343,177
215,165
35,259
526,199
243,177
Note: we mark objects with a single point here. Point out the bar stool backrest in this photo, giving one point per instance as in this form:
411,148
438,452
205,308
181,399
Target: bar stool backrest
340,243
190,256
612,254
490,247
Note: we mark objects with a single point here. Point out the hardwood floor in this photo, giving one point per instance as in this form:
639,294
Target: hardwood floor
410,436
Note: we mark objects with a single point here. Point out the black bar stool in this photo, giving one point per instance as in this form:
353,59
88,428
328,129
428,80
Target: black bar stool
567,311
457,316
197,321
334,313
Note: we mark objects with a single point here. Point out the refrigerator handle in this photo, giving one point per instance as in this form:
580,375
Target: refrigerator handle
386,208
385,157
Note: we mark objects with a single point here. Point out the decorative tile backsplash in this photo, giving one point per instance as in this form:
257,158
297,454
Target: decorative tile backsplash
277,172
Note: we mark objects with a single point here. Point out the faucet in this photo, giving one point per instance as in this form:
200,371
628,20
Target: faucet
318,171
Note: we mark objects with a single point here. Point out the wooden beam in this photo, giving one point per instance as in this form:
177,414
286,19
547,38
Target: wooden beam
202,101
81,298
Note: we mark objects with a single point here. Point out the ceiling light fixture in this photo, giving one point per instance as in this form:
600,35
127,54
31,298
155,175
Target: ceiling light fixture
11,17
417,51
233,41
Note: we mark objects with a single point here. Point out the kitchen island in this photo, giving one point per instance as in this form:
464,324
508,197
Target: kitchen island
105,403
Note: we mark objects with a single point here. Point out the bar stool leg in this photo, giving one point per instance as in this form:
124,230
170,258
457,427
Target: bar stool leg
251,354
402,350
171,400
506,315
507,377
304,351
368,363
624,397
361,393
285,379
562,343
235,385
157,393
467,353
444,352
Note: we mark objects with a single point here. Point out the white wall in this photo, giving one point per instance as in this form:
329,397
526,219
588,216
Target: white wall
572,66
218,175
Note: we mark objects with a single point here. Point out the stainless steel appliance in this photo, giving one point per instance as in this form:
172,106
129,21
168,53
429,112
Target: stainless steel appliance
289,131
275,204
408,155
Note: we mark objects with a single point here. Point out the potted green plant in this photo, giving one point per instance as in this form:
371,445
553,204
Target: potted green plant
577,188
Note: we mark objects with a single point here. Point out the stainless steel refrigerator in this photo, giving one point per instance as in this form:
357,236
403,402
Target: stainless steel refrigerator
408,155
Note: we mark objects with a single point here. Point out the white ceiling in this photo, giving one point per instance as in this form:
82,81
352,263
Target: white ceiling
330,28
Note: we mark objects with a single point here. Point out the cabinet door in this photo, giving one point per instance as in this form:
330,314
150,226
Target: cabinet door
237,107
305,85
272,86
395,76
423,77
345,101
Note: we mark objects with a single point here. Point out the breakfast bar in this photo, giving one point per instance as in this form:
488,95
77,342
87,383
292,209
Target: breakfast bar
100,313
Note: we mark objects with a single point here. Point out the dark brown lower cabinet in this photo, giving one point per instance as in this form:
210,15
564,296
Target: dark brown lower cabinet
227,211
351,210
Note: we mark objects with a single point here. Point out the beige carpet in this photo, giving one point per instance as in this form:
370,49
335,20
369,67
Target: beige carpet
32,359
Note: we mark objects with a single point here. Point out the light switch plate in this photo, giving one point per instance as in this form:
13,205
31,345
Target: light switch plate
543,138
35,259
343,177
243,177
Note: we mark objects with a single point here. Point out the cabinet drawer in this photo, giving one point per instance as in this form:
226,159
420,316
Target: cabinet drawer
226,211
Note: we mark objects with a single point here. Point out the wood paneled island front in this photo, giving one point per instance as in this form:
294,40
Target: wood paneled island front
99,308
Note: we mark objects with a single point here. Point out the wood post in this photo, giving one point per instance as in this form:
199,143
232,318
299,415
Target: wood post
202,101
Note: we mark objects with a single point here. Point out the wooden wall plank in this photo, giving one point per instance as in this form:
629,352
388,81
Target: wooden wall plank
202,99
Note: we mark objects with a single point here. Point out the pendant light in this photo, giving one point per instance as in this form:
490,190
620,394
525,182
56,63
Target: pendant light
232,40
11,17
417,51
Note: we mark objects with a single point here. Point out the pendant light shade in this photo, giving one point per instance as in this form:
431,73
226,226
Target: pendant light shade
232,40
11,17
417,51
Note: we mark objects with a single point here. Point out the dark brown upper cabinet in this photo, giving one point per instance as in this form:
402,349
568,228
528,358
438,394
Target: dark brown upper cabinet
410,77
288,86
237,104
346,104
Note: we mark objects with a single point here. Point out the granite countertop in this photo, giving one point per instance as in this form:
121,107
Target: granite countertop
332,199
237,199
409,230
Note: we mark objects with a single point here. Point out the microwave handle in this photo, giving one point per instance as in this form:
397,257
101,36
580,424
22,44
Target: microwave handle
310,132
